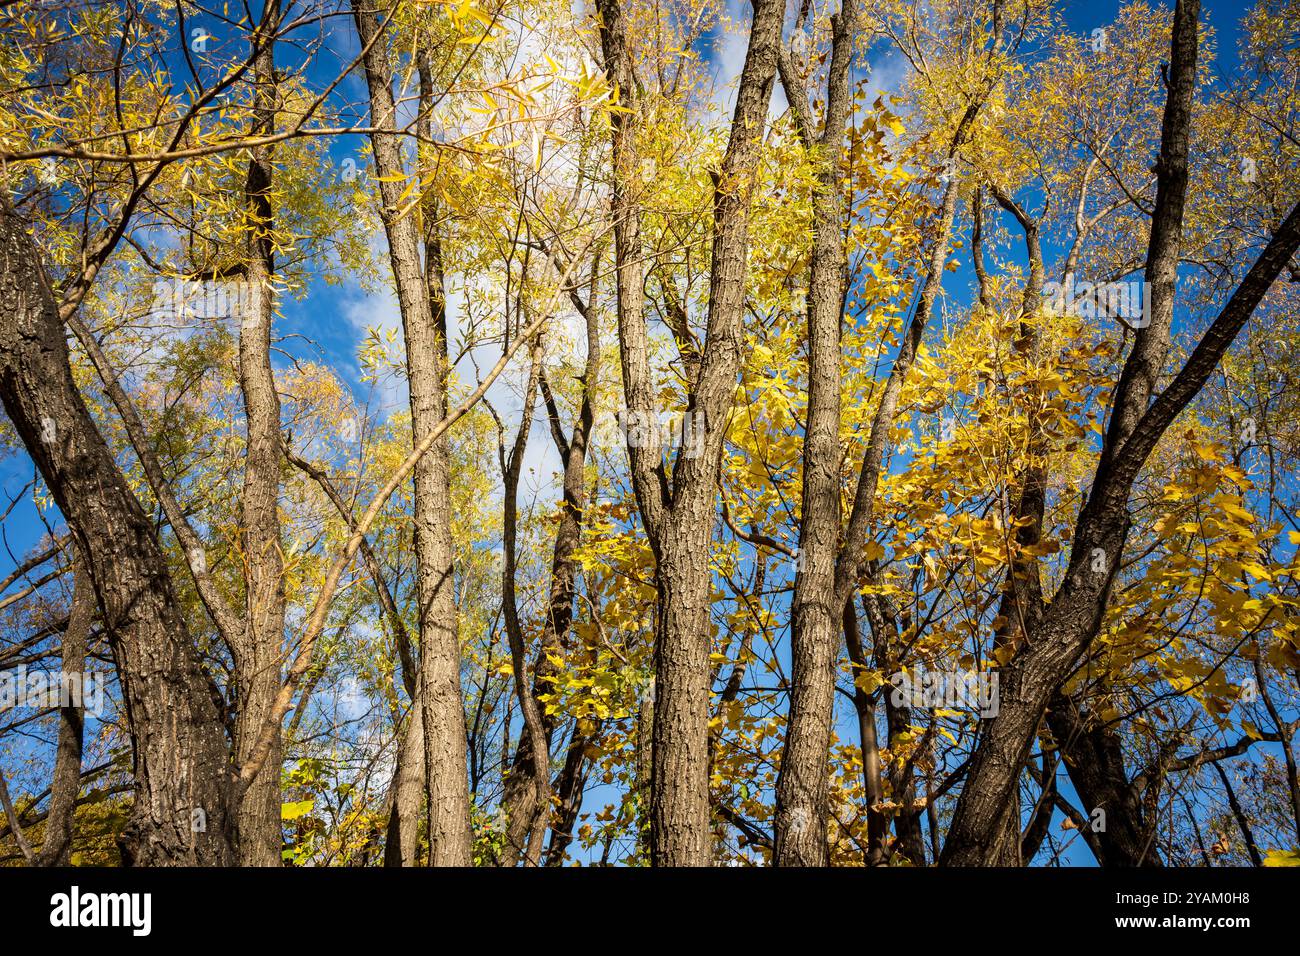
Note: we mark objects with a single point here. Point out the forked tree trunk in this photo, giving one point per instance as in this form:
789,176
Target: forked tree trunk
1074,615
679,515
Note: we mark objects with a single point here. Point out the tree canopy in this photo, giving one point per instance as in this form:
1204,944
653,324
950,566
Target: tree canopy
675,433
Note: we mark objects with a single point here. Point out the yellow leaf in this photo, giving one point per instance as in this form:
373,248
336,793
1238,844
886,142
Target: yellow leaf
292,811
1206,452
1282,858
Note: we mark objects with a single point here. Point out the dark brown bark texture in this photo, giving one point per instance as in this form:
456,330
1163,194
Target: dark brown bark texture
182,766
678,515
66,783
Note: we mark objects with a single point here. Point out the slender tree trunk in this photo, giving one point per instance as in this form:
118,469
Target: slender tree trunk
443,727
803,782
1286,735
902,786
537,813
258,646
1239,815
57,849
863,704
407,786
520,798
1022,599
568,790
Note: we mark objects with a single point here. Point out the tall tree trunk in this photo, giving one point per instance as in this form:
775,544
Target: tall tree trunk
803,782
1022,593
181,753
443,729
257,646
537,814
1286,735
679,516
830,566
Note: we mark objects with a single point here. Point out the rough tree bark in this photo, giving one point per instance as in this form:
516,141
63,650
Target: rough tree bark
803,782
441,725
830,565
257,646
679,515
181,754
